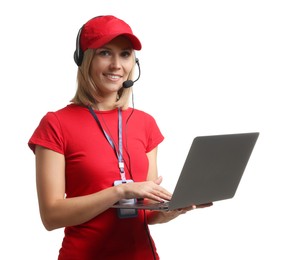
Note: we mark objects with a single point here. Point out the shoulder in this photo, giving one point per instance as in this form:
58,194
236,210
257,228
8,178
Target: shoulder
71,109
142,115
68,113
143,120
59,120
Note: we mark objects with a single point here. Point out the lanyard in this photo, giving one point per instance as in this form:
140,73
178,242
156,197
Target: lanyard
119,153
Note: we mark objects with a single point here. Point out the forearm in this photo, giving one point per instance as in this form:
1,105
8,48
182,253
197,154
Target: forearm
75,211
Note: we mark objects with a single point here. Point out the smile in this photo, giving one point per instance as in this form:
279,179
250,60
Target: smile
113,77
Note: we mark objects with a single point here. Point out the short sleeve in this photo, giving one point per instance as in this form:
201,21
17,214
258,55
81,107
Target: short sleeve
155,136
48,134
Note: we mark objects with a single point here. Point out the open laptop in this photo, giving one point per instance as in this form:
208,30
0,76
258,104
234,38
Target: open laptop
212,171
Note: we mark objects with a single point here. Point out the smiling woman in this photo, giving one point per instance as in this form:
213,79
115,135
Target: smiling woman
97,141
105,69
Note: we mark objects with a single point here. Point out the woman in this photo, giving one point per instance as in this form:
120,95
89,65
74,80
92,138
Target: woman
84,148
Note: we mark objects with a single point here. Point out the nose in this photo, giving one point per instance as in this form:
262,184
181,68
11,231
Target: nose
115,62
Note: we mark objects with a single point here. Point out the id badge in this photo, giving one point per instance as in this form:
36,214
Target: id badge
126,213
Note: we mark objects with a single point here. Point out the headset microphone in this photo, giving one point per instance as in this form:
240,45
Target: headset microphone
130,83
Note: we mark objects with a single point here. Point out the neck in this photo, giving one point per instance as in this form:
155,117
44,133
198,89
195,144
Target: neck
104,107
106,104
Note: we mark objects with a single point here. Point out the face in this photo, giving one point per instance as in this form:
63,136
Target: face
112,64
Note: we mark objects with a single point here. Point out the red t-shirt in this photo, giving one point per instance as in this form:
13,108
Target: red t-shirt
91,166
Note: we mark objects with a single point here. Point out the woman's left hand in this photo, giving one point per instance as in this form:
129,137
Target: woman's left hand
158,217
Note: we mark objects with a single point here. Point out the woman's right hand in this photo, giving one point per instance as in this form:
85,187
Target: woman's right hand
147,189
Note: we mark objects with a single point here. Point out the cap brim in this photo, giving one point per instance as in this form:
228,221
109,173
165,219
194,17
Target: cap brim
108,38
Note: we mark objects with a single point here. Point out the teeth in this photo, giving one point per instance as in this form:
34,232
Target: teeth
113,76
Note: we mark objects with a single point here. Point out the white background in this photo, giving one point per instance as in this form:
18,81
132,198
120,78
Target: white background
208,67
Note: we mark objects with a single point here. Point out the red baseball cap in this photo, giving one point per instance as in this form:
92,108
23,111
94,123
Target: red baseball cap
102,29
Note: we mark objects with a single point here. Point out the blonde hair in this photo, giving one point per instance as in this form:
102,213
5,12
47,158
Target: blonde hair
88,93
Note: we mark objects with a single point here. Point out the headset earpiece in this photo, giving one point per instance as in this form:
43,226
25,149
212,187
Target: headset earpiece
78,54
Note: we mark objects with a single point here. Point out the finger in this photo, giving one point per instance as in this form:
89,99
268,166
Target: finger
163,193
151,196
188,208
182,211
205,205
158,180
159,195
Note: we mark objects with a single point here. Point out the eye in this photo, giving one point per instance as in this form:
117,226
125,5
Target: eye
126,54
104,53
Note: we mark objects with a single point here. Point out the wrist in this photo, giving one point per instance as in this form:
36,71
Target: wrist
120,191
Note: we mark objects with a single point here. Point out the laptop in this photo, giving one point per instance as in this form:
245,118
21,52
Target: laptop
212,172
